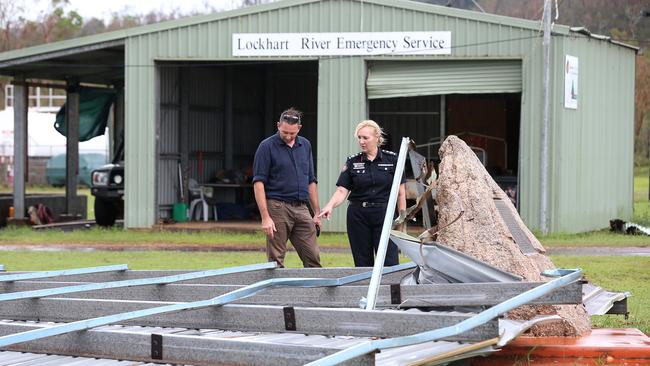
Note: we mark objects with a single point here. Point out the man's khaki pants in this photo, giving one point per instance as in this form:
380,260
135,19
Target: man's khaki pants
293,222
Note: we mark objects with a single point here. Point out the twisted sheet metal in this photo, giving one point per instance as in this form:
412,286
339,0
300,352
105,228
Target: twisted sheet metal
568,276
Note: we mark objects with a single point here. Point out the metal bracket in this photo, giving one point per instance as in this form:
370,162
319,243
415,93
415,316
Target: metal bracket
289,318
156,346
395,294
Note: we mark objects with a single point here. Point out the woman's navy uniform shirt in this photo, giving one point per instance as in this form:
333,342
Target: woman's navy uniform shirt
369,181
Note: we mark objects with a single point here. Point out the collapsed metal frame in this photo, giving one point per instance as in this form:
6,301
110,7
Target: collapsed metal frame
89,309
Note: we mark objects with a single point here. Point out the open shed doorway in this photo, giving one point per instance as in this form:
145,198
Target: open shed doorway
211,118
488,123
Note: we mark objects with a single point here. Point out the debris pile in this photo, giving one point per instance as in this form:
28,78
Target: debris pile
491,230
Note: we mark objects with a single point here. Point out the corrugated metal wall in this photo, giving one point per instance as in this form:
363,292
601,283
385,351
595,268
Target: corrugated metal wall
593,146
168,137
398,79
341,105
341,89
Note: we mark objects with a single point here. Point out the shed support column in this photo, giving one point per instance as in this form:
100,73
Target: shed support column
72,147
269,126
227,120
183,131
20,146
443,117
546,116
118,119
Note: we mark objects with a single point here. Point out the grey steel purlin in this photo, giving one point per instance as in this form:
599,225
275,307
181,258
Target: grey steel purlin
177,349
327,321
61,273
243,278
130,283
458,294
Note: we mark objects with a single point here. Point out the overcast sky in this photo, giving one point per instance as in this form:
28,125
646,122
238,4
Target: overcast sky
104,8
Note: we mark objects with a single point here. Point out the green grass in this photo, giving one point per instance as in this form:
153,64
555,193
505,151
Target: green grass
617,274
641,214
116,236
41,260
603,238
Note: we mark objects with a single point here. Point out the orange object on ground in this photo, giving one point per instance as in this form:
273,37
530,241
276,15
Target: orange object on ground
627,346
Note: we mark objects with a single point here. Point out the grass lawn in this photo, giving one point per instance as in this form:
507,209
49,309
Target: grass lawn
613,273
116,236
617,274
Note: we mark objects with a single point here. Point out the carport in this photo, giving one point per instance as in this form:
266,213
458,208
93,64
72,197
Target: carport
69,65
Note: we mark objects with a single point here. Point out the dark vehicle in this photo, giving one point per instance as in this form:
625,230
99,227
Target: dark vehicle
108,189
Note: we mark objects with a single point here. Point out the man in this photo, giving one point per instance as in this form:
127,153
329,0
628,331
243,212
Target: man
283,183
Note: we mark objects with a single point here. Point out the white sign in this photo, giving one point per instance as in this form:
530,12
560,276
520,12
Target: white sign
571,82
341,44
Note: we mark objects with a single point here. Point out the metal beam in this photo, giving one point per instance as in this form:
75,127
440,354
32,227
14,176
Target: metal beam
20,149
240,278
228,128
129,283
72,147
216,301
117,133
65,272
430,295
256,318
375,281
174,348
67,52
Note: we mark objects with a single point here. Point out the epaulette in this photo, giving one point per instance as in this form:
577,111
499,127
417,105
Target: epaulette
388,152
354,156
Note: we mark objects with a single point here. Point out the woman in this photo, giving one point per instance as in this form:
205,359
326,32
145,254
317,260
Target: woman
367,178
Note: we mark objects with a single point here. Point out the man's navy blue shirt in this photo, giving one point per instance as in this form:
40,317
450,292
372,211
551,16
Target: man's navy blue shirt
285,171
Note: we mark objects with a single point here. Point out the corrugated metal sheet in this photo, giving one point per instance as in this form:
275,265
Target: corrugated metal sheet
593,146
389,79
341,105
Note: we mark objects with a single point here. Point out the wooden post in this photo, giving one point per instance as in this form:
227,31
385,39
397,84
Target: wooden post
227,121
269,118
118,119
20,146
72,147
183,129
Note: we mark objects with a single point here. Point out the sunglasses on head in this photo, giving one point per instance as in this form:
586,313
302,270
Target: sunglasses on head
291,119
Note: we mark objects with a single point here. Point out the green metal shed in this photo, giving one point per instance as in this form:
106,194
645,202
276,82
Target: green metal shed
189,99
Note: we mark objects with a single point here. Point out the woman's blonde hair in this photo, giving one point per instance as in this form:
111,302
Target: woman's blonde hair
379,132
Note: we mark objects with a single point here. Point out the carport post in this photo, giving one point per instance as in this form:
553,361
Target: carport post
227,121
20,145
118,119
72,146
